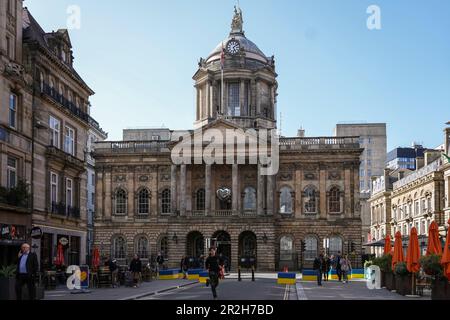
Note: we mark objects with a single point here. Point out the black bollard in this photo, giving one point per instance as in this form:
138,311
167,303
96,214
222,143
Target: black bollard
253,273
239,274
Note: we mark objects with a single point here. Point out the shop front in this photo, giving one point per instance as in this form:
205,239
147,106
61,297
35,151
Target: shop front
60,248
11,238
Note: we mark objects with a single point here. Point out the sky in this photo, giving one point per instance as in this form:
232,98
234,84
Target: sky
139,57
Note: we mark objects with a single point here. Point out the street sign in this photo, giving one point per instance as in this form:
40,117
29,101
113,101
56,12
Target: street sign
36,233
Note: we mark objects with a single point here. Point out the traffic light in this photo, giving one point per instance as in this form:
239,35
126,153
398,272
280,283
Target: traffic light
303,246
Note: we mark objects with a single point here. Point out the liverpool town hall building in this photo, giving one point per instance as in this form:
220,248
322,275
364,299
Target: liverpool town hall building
148,203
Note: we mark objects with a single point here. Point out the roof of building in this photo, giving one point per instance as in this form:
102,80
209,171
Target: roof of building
33,32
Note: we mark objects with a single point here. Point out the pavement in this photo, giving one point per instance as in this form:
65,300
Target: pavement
121,293
264,287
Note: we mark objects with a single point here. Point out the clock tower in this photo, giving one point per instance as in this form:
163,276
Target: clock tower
236,82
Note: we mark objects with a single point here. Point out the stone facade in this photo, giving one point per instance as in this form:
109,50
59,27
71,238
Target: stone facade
148,203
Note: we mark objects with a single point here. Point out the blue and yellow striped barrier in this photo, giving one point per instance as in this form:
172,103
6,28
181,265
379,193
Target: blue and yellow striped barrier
203,276
193,274
357,274
286,278
309,275
170,274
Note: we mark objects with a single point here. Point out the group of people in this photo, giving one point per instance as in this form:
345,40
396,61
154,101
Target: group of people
135,269
324,264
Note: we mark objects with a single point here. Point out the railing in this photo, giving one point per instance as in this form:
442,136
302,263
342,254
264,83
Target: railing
198,213
432,167
61,100
61,209
249,213
127,146
296,142
223,213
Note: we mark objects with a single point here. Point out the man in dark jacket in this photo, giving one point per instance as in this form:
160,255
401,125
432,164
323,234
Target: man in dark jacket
212,264
136,269
337,261
318,267
27,269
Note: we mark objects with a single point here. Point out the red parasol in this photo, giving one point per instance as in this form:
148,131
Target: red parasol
95,258
446,256
434,244
59,255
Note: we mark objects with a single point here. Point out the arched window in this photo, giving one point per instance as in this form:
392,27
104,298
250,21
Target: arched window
310,247
310,200
121,202
286,200
286,248
164,246
119,248
200,199
334,200
335,245
165,201
249,198
142,247
143,202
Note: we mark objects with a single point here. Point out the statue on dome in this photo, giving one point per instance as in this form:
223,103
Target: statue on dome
238,21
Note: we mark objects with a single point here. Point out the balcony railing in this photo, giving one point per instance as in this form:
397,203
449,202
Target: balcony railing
296,143
53,94
61,209
223,213
130,146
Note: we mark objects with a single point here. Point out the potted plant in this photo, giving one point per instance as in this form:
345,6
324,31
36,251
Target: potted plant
8,283
440,287
403,279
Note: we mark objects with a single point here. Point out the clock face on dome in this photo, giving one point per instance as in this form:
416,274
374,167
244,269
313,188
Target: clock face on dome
233,47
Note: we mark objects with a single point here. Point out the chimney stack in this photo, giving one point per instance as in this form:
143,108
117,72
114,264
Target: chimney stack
419,162
301,133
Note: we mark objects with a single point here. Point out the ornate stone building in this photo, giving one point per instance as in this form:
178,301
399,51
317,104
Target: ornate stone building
147,202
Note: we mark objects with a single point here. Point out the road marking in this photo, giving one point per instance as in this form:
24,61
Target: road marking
286,292
300,292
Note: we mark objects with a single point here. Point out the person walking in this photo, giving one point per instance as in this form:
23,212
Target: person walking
337,261
184,266
326,266
26,271
114,269
212,264
345,268
136,269
317,266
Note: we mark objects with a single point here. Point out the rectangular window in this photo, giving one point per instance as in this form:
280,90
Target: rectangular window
234,108
424,207
362,172
69,140
12,173
93,198
361,184
369,163
13,111
369,173
53,188
93,179
369,152
69,192
54,132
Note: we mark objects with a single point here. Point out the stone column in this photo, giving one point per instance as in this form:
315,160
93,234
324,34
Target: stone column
235,189
207,189
347,207
99,195
260,192
173,189
298,193
108,200
270,195
183,190
323,192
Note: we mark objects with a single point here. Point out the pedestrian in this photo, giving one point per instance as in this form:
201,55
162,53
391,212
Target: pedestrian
136,269
346,267
212,264
317,266
337,261
26,271
159,262
114,269
184,266
326,266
